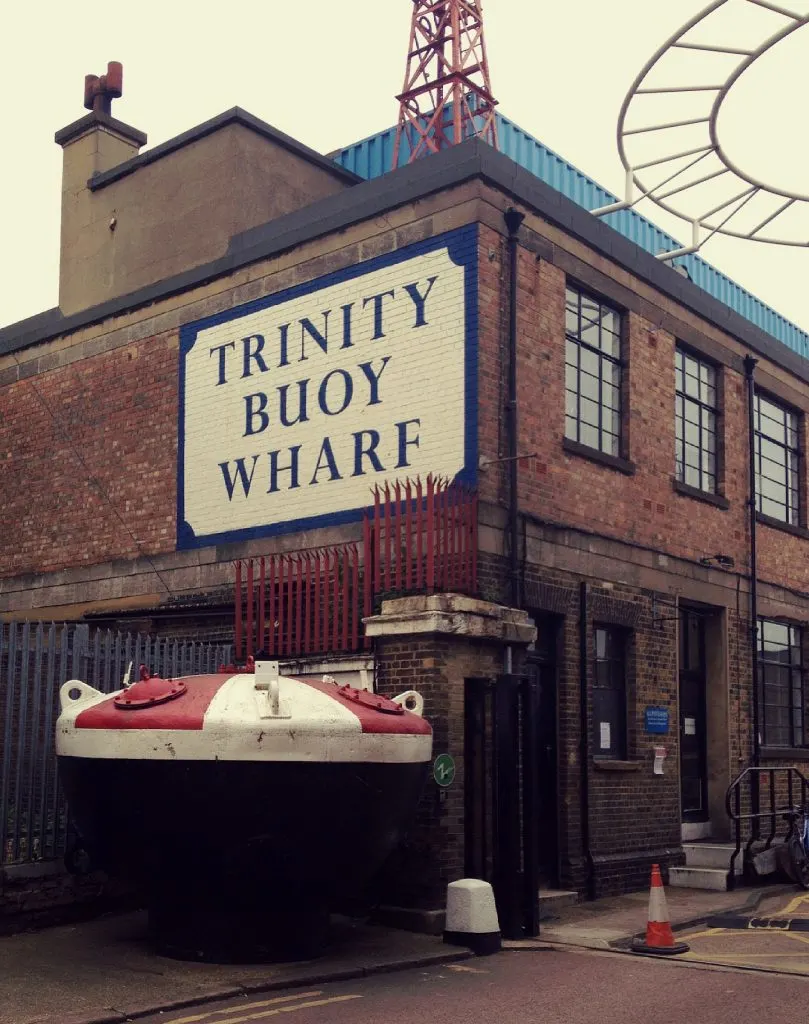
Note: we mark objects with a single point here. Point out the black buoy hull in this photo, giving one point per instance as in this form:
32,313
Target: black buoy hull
240,860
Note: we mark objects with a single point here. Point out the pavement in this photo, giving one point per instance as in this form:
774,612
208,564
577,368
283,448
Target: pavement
612,922
762,929
103,971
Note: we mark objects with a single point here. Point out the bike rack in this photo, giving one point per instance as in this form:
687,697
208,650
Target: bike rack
790,777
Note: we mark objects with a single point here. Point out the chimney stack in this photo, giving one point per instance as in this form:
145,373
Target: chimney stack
95,143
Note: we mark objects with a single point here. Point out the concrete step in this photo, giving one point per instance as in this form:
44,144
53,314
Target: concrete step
699,878
691,830
551,900
711,855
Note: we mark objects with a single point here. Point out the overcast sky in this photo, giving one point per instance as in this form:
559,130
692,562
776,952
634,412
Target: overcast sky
327,72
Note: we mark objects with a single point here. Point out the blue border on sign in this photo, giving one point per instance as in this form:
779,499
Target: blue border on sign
461,245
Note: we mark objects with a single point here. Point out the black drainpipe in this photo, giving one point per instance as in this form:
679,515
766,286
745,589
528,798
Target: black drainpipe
584,743
749,369
513,219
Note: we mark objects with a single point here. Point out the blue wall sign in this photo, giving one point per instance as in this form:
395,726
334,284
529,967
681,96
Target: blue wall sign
657,720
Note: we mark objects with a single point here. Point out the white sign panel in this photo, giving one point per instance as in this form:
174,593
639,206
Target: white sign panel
293,407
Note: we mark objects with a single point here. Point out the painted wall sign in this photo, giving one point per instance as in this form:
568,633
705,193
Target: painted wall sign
657,720
293,406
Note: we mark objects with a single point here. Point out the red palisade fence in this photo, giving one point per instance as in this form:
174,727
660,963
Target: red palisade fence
417,537
305,603
422,537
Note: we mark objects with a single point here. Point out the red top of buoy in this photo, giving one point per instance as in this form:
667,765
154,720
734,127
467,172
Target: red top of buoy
367,699
149,691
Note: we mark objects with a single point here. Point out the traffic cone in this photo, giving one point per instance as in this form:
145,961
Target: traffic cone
659,936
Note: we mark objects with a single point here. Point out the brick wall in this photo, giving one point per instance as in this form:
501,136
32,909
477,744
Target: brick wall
80,440
44,894
432,855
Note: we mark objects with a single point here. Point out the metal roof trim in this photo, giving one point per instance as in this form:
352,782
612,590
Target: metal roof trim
371,158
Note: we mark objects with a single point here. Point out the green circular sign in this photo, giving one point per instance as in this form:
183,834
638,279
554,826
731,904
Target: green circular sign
444,770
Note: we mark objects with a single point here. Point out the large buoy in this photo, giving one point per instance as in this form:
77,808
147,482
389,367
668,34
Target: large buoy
245,805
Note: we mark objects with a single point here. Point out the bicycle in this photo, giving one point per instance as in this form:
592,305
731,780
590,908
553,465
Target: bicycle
796,845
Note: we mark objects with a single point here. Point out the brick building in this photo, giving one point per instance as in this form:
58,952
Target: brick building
251,335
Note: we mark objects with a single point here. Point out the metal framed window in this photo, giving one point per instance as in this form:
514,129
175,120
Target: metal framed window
609,693
695,415
592,372
777,454
781,696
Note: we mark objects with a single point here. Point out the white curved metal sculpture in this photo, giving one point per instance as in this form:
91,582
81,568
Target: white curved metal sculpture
704,168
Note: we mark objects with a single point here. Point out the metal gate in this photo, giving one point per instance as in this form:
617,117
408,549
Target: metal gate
35,659
502,786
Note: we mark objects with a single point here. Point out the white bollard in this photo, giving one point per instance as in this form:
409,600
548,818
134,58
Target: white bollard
472,916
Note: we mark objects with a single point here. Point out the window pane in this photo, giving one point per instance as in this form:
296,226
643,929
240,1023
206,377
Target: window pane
589,333
589,435
571,353
571,320
589,361
611,344
588,387
571,378
571,404
692,476
610,373
611,443
610,321
589,412
610,397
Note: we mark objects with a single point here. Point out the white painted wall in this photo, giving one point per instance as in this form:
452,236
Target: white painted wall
400,373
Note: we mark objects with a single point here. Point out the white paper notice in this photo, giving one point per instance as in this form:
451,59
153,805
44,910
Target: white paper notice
690,726
660,753
605,736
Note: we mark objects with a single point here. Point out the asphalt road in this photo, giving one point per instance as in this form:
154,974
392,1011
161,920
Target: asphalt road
527,986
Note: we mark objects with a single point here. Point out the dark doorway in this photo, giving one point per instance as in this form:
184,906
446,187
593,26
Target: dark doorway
501,796
511,830
693,717
542,668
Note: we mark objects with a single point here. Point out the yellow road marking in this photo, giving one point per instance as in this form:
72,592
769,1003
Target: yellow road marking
247,1006
263,1014
700,935
796,904
728,933
749,955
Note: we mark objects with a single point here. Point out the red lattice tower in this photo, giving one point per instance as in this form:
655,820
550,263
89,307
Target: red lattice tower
447,94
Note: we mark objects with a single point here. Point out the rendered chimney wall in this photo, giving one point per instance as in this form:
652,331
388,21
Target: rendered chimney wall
90,146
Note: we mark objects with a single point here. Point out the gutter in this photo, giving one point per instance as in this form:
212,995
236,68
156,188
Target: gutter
513,219
584,744
749,371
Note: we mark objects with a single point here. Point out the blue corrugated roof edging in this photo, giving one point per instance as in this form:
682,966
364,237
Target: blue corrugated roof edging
371,158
